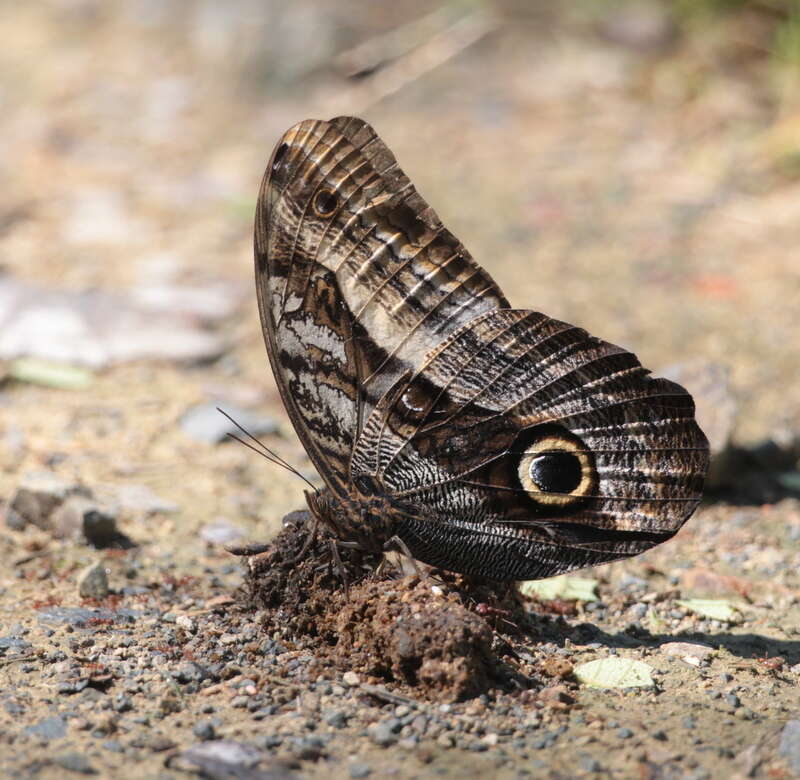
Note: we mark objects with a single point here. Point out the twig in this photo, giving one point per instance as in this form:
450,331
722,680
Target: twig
16,659
31,557
374,53
411,66
384,695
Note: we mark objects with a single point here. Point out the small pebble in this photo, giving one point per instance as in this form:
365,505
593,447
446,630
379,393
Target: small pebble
122,703
204,730
789,746
336,719
53,727
733,700
383,735
93,582
445,741
589,764
186,623
358,771
207,424
351,679
637,611
74,762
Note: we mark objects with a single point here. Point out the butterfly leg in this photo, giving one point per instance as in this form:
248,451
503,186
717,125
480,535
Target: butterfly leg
336,559
309,540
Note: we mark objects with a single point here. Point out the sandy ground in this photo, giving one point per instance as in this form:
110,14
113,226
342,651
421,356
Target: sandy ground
644,188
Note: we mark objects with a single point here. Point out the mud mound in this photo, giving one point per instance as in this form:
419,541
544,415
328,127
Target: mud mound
433,632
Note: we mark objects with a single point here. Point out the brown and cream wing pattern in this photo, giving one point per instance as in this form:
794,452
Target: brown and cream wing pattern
357,279
526,446
490,440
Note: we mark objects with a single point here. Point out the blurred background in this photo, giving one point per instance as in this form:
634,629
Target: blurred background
633,167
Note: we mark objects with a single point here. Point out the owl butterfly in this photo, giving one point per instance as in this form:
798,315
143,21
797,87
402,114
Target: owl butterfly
488,440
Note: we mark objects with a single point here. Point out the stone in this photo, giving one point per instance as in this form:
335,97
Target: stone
14,643
79,617
93,582
204,730
207,424
96,328
186,623
337,719
74,762
139,499
789,746
556,694
37,497
79,516
351,679
53,727
688,650
219,758
221,533
383,735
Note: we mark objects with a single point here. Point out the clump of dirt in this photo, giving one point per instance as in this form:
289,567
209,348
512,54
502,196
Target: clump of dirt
435,632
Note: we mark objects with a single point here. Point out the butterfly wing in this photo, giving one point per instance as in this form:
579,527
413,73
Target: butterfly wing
508,444
357,279
524,447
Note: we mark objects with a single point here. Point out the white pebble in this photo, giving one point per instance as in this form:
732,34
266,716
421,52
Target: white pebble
351,679
186,623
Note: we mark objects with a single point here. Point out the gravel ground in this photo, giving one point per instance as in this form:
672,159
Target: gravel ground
638,183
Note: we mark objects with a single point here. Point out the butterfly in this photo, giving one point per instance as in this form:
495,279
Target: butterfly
480,438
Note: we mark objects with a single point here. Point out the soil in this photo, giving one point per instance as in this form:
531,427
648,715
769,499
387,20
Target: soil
421,631
639,180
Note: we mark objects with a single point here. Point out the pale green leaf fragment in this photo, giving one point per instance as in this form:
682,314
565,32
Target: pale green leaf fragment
561,587
49,374
614,672
714,609
790,480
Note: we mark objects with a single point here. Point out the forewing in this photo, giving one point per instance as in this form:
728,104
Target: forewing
357,280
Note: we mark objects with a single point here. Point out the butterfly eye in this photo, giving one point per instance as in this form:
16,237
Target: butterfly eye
325,203
556,469
277,157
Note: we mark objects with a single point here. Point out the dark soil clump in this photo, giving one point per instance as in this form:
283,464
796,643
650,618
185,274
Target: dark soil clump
437,634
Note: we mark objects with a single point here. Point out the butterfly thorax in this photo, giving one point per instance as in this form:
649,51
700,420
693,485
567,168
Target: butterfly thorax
364,520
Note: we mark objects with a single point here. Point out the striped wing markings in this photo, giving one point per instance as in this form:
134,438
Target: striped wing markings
597,383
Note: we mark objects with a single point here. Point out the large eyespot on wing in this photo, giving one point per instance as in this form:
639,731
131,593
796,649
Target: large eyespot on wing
555,468
541,449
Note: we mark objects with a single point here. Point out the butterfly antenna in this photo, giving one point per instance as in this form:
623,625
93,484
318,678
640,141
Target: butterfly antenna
264,451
